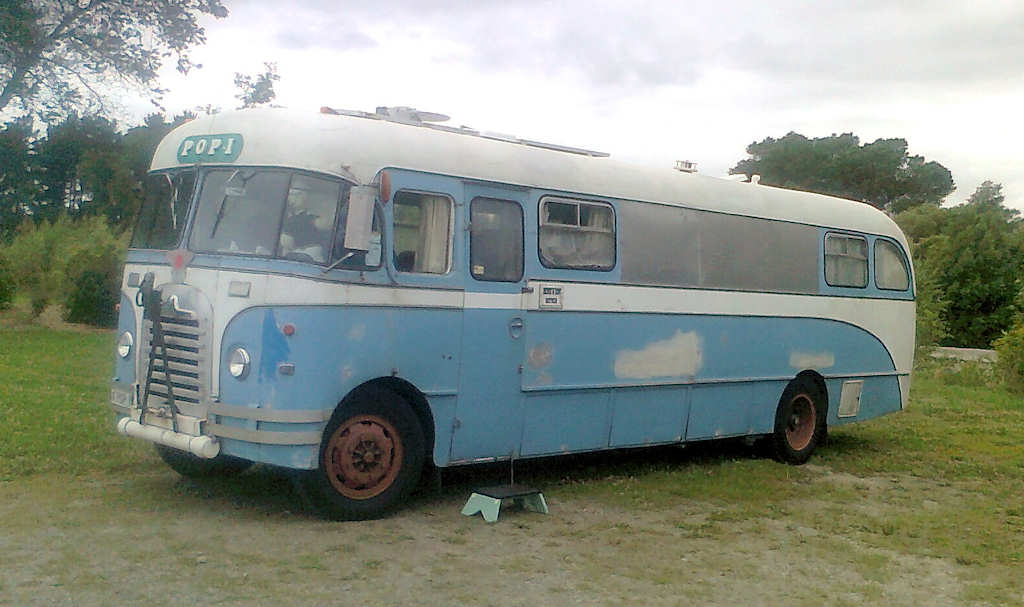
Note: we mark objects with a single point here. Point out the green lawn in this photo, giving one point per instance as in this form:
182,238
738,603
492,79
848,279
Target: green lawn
53,412
942,480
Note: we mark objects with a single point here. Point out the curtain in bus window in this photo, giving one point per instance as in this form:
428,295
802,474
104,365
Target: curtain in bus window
890,269
577,235
422,232
846,261
496,240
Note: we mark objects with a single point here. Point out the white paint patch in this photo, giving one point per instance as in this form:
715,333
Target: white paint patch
678,356
812,360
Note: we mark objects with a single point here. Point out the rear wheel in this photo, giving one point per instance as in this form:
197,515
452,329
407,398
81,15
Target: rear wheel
194,466
800,421
371,457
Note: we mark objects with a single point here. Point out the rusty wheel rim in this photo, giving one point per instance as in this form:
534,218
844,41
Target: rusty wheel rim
363,457
801,421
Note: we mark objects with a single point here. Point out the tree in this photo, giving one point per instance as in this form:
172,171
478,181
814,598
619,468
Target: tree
17,186
259,89
56,55
59,157
973,254
881,174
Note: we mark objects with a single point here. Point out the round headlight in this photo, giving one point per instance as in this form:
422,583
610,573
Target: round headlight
124,344
238,364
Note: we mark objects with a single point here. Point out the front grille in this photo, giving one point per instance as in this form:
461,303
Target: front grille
184,363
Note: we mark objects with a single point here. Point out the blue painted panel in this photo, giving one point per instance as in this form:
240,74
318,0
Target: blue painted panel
489,409
566,422
334,349
720,410
879,396
649,415
572,350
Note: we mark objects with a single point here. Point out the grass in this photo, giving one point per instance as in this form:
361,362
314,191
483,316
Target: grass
53,411
942,480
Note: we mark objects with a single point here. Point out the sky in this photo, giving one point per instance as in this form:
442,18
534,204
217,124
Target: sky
650,82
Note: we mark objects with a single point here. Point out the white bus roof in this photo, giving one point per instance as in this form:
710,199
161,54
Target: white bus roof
357,147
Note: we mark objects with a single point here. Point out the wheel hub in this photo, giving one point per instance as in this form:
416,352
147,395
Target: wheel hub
363,456
801,422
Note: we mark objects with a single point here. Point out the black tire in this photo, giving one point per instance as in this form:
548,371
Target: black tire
193,466
371,457
800,421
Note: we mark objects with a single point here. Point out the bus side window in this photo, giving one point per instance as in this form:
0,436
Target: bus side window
846,260
422,232
496,240
890,267
576,235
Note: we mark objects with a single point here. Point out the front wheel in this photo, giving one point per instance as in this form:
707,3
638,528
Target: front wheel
371,457
800,421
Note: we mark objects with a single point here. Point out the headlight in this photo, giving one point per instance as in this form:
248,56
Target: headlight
238,363
124,344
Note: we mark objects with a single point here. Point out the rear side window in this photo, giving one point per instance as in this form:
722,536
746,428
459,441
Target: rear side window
576,235
422,232
846,260
496,240
890,267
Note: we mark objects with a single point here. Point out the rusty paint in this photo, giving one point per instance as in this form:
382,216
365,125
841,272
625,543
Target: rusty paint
540,356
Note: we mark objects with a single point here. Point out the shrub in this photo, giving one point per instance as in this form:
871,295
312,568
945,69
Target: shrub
6,284
91,300
1010,348
75,264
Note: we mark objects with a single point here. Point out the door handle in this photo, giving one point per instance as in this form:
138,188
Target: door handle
515,327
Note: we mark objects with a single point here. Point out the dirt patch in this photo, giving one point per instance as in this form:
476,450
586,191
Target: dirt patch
151,537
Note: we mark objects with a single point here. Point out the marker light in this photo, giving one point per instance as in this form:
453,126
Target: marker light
385,187
238,363
124,344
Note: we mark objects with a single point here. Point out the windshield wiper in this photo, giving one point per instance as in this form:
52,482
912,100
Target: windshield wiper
335,264
220,215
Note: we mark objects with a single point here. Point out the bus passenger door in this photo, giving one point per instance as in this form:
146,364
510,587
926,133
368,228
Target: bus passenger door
488,414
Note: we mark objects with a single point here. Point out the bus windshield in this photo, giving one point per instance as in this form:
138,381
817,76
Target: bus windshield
275,213
164,209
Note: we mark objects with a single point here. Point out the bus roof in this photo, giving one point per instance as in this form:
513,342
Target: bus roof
358,148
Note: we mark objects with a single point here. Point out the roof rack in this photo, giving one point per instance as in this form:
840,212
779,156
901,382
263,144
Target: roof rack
414,117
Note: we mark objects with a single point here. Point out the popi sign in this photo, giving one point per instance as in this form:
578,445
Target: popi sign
210,148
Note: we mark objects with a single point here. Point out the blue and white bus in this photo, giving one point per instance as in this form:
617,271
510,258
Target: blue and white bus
359,296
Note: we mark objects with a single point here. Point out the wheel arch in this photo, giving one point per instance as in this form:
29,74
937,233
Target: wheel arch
416,400
818,381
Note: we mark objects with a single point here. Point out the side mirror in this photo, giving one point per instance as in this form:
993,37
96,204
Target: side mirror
359,223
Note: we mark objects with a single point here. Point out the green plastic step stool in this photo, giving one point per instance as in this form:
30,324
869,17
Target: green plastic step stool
487,500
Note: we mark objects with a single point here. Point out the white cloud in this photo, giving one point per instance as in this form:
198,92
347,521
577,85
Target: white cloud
652,81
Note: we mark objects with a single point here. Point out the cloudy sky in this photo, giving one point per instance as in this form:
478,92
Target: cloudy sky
652,82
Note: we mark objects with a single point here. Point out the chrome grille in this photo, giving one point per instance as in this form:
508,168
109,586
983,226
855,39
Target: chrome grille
185,363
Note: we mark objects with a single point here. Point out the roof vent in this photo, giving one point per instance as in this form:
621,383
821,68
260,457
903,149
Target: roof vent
414,117
686,166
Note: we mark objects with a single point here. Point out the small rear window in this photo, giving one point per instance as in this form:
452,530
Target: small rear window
890,267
